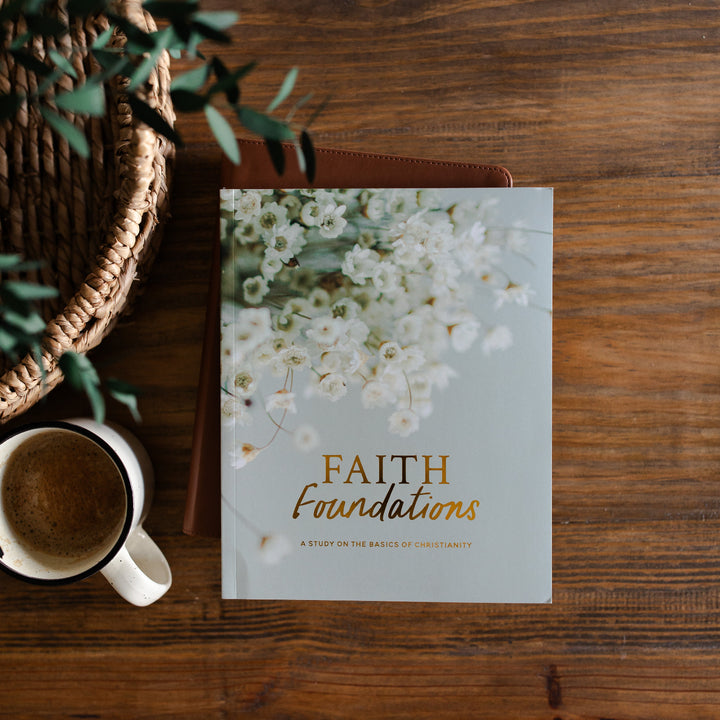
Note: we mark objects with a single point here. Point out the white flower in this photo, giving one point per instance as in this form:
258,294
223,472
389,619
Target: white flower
464,334
274,548
326,330
333,386
281,400
271,216
375,207
255,289
284,242
497,338
244,383
233,410
248,205
390,352
306,438
270,267
331,221
243,454
251,328
377,394
385,277
358,264
294,357
310,213
513,293
403,422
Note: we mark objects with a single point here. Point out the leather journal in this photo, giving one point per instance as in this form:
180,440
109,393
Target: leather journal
334,169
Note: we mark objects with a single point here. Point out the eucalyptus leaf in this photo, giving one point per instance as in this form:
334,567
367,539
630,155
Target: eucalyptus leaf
81,374
103,38
186,101
218,20
46,25
285,89
308,151
10,104
173,10
223,133
29,291
192,80
277,156
152,118
62,63
30,62
86,7
210,33
263,125
126,394
64,127
87,99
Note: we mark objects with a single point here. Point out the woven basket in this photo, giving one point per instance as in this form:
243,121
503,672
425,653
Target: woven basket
93,223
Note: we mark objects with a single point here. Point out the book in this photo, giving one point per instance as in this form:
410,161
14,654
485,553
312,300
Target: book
334,167
386,394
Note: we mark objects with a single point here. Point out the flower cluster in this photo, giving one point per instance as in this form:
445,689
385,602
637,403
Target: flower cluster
369,288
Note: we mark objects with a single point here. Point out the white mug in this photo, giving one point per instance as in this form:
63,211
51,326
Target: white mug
123,552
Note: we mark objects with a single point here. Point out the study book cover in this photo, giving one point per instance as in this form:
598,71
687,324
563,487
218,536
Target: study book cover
386,394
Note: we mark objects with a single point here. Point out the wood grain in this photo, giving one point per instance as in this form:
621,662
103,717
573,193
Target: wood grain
614,104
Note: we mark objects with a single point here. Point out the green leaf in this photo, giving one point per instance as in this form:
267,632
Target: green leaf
207,32
192,80
285,89
126,394
81,374
30,62
152,118
28,322
9,261
223,133
277,156
173,10
62,63
29,291
308,151
262,125
87,99
142,73
83,8
186,101
138,41
46,25
103,38
9,105
64,127
217,20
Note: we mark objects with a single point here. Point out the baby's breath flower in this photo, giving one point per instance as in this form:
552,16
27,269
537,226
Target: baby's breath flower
497,338
403,422
281,400
306,438
244,454
247,205
271,216
331,221
255,289
274,548
377,394
310,213
244,383
512,293
333,386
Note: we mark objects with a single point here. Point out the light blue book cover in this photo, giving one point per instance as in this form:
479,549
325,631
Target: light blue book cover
386,394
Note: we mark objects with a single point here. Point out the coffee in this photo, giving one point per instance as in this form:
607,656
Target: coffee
63,495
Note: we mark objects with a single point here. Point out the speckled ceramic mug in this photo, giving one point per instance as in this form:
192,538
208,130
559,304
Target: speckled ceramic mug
73,498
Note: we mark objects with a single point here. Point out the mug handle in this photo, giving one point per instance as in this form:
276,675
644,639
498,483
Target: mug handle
139,572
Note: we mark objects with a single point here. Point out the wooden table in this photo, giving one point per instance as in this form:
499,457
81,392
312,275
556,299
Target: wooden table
616,104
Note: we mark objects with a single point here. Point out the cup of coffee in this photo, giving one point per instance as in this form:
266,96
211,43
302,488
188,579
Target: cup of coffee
73,498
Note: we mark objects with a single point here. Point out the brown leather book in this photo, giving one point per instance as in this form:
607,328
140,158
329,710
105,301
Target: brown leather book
334,169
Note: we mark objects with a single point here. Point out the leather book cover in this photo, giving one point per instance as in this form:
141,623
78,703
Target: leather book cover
334,169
